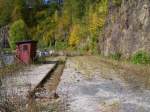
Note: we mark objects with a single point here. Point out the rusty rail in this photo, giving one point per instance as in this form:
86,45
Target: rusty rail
32,92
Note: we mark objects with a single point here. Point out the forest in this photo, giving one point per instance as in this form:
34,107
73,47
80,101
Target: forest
74,55
75,25
69,24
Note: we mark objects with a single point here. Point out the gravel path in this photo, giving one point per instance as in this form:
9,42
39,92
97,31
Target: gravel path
15,88
31,76
88,85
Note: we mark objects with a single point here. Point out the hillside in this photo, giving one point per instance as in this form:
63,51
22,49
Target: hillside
114,28
60,26
74,55
127,28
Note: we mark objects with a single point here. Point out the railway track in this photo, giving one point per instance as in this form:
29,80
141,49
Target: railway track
44,96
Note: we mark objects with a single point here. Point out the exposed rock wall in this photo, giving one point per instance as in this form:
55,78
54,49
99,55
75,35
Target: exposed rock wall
4,37
127,29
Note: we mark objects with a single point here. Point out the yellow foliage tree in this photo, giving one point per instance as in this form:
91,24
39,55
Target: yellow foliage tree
74,36
96,22
97,16
47,37
63,24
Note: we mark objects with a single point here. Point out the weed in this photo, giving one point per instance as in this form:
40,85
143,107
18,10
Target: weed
59,45
116,56
141,57
117,2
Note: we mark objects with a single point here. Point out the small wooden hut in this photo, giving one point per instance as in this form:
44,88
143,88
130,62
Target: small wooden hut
26,51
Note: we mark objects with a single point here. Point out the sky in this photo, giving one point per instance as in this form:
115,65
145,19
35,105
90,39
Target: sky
46,1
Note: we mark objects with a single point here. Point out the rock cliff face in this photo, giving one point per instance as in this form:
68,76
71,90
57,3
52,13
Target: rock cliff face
127,29
4,37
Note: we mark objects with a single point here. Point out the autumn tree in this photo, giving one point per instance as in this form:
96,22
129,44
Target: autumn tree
74,36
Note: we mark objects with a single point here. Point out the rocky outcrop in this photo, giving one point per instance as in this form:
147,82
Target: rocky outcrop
4,35
127,29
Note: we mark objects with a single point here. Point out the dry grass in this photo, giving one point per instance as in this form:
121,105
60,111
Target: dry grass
88,65
129,67
7,103
111,106
138,75
133,74
11,69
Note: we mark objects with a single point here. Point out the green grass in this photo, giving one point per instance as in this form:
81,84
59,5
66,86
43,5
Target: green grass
7,50
141,57
59,45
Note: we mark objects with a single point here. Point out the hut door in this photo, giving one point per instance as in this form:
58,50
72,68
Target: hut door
25,55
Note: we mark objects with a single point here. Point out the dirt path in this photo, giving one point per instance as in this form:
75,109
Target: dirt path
90,85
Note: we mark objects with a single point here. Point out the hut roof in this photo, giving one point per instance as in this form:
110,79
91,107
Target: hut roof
27,41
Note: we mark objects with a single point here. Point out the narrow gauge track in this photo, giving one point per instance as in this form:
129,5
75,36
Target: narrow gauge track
44,97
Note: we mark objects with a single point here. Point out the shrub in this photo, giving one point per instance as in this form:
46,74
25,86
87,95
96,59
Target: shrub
61,45
141,57
117,2
116,56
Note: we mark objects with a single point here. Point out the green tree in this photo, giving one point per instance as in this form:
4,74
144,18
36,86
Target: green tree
75,9
12,10
19,8
45,32
18,32
5,11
